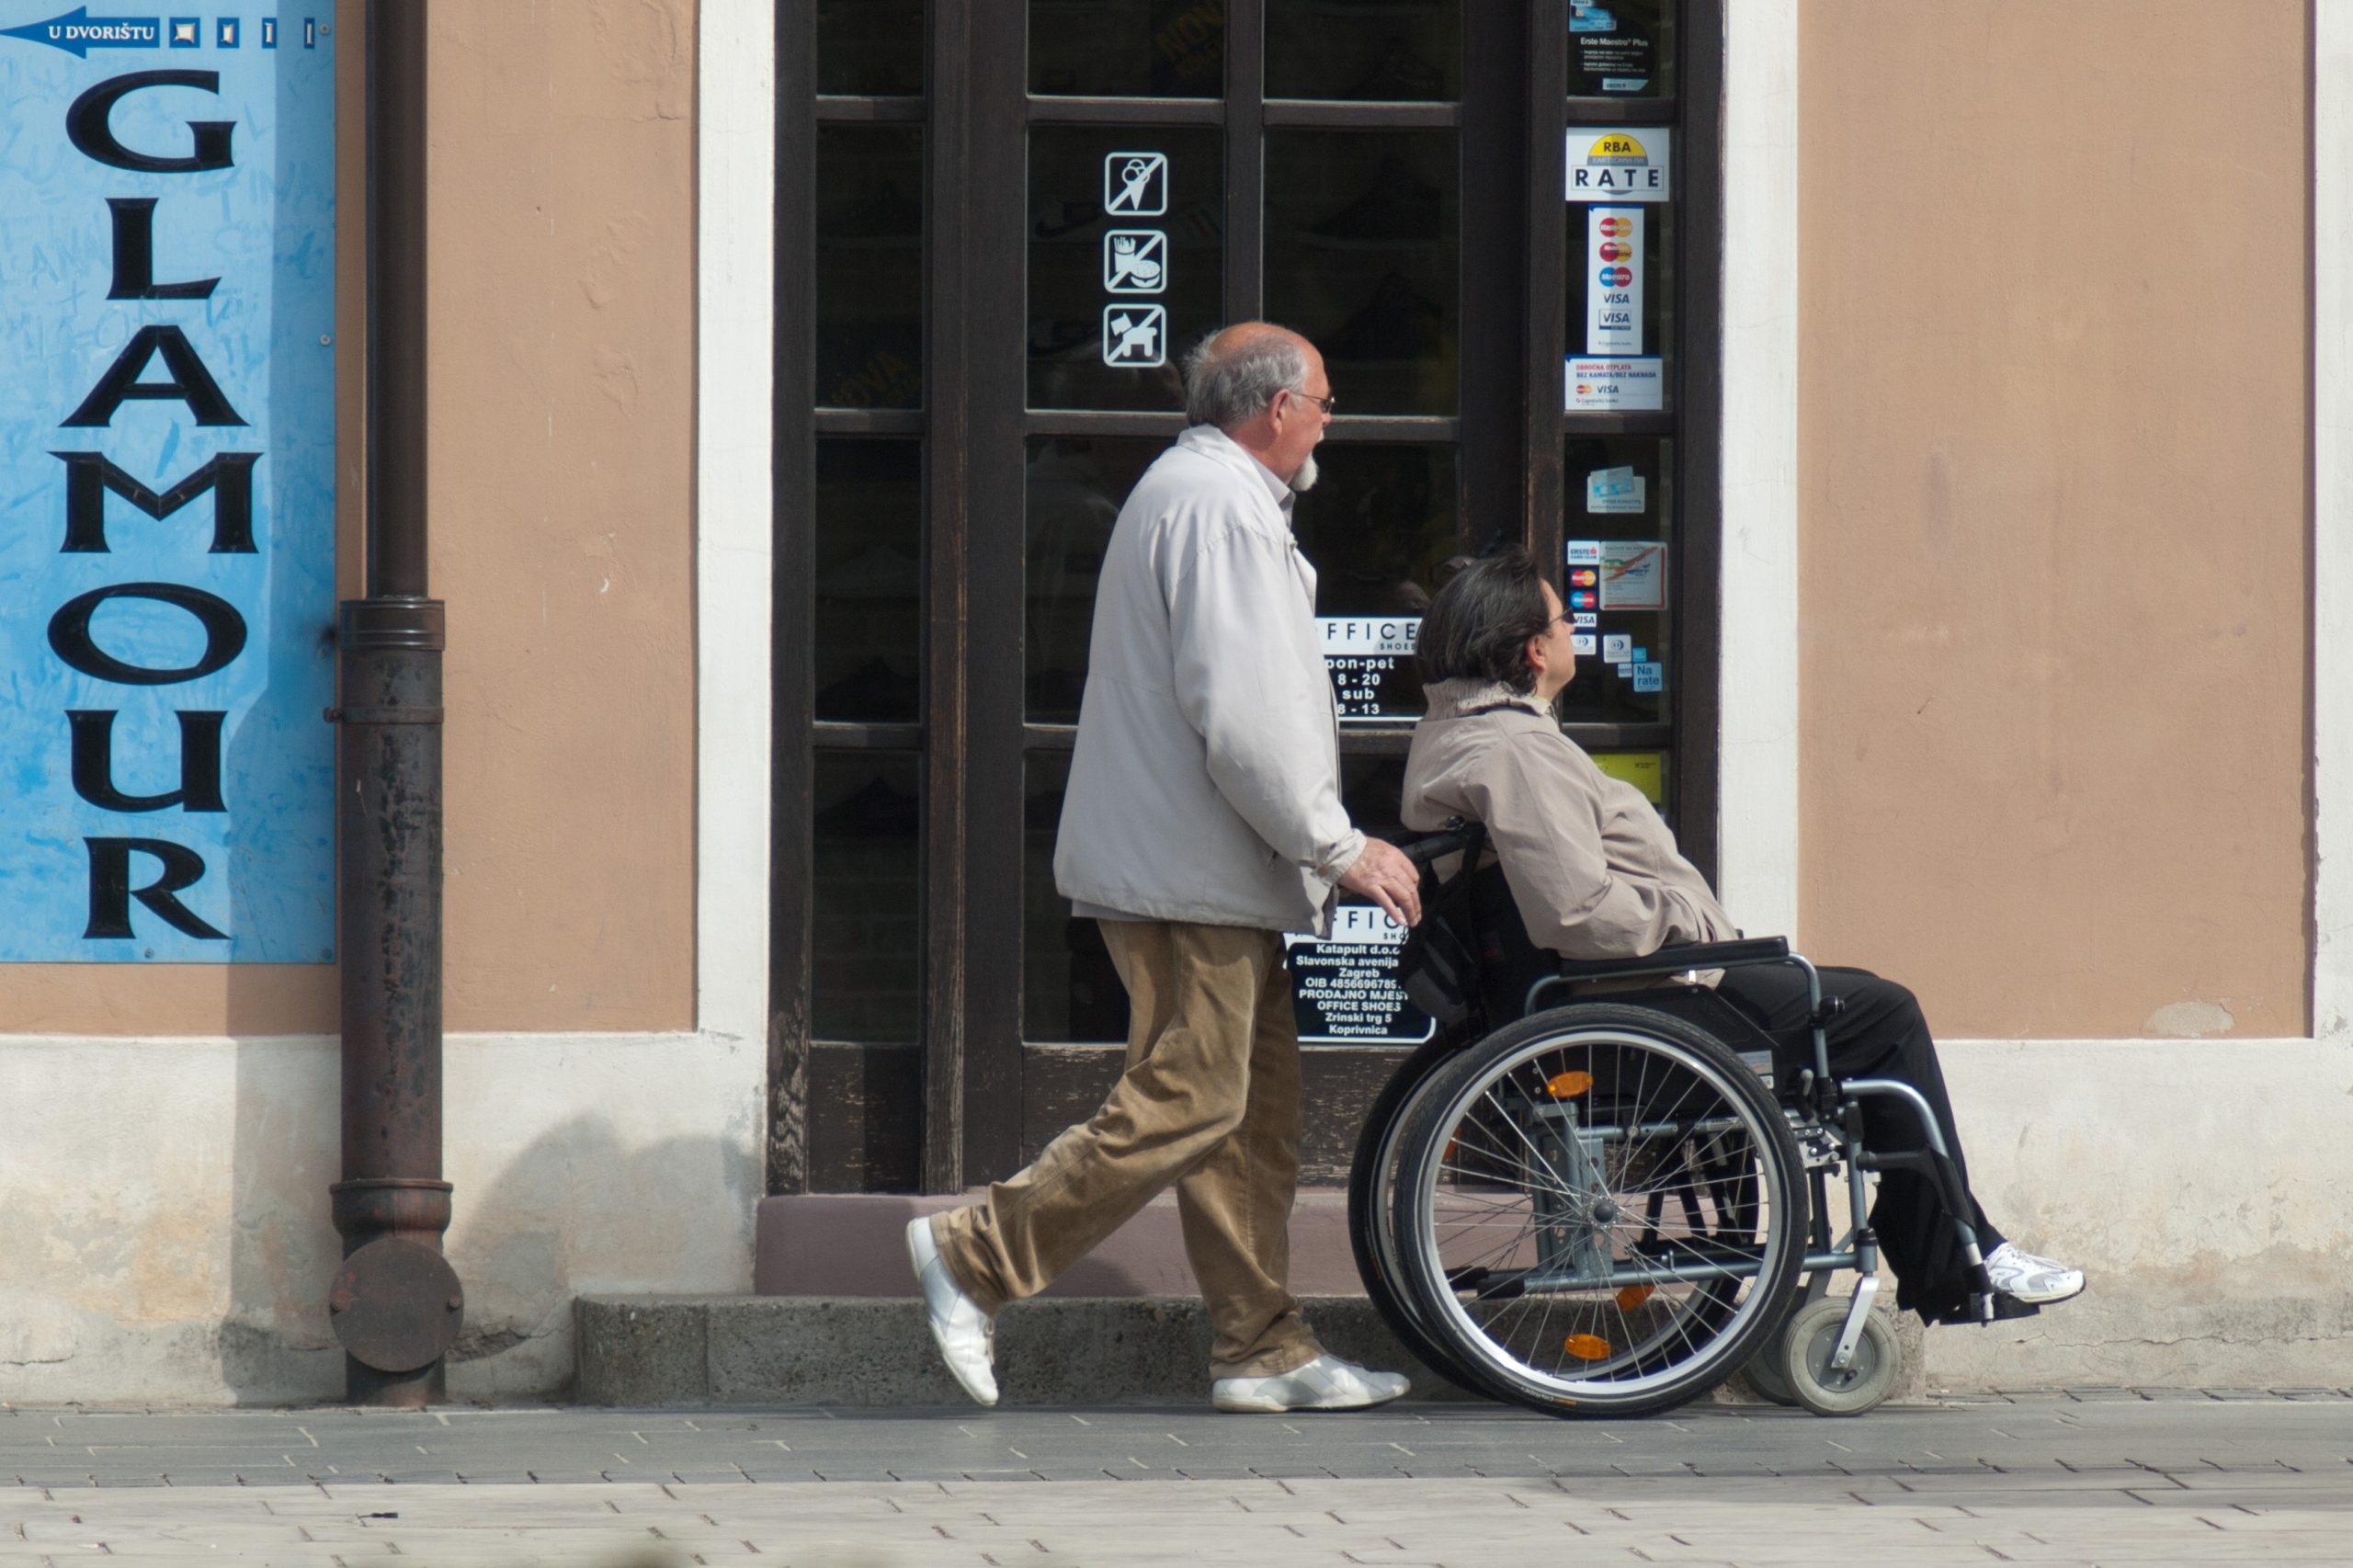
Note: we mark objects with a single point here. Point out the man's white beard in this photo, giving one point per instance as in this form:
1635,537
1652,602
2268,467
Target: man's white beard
1304,479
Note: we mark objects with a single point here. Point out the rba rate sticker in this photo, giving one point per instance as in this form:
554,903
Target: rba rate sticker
168,457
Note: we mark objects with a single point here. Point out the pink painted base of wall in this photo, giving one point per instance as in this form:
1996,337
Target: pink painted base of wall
855,1244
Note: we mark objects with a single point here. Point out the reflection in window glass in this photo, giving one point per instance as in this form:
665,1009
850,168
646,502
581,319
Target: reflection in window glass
869,608
1374,789
1364,50
1075,487
1127,48
1069,990
864,896
870,48
1620,507
1378,525
1621,293
1361,256
1622,48
870,267
1126,262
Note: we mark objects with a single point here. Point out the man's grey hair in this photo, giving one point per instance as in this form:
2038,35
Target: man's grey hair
1236,386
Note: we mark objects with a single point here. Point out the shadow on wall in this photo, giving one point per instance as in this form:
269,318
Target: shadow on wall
577,1208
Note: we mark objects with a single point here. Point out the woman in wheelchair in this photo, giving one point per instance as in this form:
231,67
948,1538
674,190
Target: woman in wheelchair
1595,874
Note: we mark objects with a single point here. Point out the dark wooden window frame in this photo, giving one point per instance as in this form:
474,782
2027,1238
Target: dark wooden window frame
986,1097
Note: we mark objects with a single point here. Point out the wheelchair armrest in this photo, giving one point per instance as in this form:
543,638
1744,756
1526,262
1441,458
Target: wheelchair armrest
1455,836
1675,961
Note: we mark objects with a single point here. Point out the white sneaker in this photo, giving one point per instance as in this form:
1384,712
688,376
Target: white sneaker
2023,1277
965,1335
1325,1383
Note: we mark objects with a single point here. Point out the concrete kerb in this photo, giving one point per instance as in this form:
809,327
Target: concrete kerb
871,1352
866,1352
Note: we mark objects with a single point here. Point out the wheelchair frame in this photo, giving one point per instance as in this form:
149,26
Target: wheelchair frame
1823,1114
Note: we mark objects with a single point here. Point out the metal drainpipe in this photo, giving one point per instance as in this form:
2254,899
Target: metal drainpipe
397,1304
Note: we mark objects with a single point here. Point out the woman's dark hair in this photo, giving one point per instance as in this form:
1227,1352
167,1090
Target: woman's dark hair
1478,627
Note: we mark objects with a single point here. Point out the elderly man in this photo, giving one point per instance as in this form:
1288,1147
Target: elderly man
1203,821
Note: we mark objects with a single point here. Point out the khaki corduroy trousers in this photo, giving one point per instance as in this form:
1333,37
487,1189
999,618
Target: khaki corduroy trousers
1209,1101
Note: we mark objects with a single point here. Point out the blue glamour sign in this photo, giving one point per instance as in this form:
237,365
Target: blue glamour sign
167,486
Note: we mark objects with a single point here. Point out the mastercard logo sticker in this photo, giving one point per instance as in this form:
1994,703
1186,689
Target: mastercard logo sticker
1612,251
1617,228
1585,576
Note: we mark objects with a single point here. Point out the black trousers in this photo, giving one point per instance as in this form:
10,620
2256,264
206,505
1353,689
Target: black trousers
1881,1034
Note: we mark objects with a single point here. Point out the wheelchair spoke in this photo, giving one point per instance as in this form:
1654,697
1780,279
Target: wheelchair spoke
1616,1159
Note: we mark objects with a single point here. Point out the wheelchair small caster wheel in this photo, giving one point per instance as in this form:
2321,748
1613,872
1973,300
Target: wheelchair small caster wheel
1812,1339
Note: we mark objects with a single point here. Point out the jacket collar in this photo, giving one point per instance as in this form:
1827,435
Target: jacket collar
1218,447
1453,698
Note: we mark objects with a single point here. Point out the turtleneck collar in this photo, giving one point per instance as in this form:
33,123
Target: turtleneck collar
1452,699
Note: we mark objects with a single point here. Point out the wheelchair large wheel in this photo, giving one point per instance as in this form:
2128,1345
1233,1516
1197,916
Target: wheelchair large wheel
1600,1212
1373,1182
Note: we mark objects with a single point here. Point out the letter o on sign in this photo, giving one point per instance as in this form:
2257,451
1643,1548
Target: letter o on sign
224,633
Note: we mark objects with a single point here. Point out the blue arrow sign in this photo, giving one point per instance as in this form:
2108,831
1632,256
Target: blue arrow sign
78,32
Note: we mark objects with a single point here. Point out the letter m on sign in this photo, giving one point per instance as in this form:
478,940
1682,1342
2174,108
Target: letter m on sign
89,475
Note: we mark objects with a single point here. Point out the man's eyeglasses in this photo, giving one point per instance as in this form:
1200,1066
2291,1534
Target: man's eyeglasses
1325,403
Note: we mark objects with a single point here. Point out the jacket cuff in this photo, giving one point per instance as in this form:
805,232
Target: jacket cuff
1343,859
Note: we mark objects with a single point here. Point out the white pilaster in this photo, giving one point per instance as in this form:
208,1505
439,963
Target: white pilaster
1759,730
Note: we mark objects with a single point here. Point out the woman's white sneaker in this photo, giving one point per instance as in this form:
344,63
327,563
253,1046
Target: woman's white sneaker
1325,1383
965,1335
2040,1282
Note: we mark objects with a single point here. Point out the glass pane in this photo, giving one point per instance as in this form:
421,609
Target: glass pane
1127,261
1075,487
1621,303
1361,256
869,580
1651,772
1378,525
1619,530
1394,49
866,899
870,48
1069,990
1127,48
870,267
1622,48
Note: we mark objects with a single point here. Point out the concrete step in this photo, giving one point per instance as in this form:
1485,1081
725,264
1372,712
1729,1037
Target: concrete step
847,1351
855,1244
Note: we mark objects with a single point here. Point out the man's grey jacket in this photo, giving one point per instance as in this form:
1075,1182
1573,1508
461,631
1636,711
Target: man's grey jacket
1206,784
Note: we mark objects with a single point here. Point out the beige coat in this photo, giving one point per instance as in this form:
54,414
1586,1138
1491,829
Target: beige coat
1205,786
1595,872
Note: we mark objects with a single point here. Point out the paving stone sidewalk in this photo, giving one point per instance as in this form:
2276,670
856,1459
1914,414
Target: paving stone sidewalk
2104,1476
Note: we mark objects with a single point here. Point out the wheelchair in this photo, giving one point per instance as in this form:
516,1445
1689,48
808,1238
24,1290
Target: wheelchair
1605,1204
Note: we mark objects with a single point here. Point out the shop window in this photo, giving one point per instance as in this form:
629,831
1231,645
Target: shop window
1127,48
868,929
1362,257
868,589
870,267
870,48
1365,50
1126,262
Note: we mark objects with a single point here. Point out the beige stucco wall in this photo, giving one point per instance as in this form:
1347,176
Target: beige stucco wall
2053,508
561,355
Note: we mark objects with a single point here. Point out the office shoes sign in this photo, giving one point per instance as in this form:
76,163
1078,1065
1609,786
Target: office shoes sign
168,483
